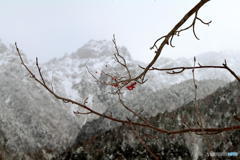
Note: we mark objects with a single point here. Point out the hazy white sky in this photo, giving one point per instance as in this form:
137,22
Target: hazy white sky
51,28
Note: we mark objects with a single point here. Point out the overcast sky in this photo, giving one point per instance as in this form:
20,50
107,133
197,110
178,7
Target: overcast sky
51,28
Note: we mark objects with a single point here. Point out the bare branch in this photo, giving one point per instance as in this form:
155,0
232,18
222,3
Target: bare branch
173,32
231,71
132,111
131,81
39,71
155,43
198,114
117,56
166,40
182,69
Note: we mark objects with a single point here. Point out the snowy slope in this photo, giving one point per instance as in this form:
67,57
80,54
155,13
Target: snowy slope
31,121
70,77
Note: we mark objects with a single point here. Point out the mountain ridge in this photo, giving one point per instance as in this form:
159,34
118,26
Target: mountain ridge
35,107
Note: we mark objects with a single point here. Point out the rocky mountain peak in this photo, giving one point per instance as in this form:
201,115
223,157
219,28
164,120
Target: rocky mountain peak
99,48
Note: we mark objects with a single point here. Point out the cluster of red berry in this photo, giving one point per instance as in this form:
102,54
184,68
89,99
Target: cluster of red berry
130,87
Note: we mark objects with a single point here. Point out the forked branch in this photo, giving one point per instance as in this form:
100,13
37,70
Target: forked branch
127,122
130,81
177,70
166,40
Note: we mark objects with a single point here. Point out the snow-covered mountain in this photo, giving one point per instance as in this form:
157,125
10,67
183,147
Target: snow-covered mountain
70,77
32,119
